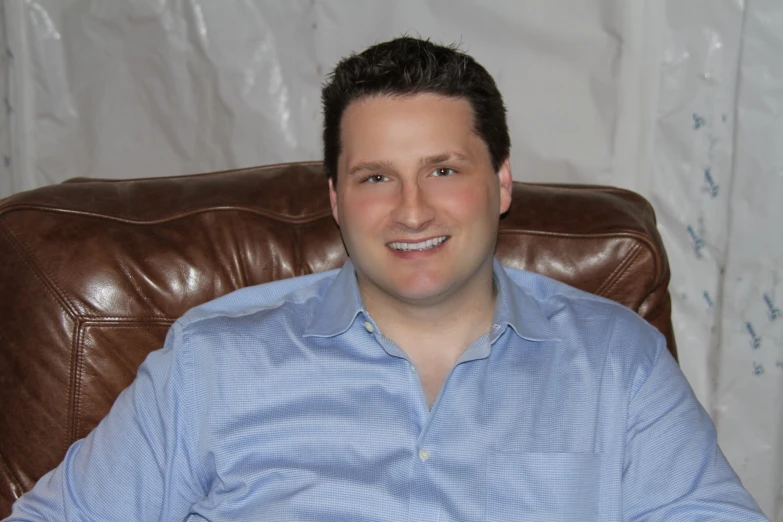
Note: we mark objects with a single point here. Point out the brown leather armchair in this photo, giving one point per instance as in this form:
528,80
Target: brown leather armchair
93,272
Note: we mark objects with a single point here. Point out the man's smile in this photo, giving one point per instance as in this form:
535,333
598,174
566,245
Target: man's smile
406,246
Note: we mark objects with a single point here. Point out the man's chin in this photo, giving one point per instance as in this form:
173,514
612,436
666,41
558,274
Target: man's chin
421,295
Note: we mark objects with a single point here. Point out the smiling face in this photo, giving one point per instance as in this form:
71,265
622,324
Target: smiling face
417,199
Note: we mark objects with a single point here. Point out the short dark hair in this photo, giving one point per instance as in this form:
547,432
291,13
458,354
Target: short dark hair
406,66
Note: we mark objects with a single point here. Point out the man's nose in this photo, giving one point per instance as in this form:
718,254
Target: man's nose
413,209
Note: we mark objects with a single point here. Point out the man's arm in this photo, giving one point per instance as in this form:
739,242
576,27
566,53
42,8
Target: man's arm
138,464
674,469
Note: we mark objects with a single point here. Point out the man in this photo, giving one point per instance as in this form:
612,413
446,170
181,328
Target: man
423,381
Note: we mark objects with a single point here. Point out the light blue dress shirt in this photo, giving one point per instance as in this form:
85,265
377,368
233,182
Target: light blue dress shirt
285,402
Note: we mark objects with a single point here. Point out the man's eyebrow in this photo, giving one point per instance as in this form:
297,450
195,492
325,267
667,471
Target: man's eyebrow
370,166
443,158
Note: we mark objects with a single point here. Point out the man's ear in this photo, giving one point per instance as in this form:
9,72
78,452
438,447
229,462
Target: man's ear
333,200
506,182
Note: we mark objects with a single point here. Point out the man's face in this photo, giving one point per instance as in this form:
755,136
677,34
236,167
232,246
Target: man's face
417,200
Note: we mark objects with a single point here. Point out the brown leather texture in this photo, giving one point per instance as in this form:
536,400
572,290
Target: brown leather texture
93,272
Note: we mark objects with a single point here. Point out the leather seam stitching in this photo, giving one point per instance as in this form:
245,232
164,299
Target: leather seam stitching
124,324
76,371
612,279
118,326
280,218
264,168
654,284
124,319
56,292
42,275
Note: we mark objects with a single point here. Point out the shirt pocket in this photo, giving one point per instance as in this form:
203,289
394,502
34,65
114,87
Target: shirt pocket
550,487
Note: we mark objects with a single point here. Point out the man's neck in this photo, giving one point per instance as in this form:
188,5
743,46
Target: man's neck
435,336
447,326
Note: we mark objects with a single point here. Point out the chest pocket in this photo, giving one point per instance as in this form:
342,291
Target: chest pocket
551,487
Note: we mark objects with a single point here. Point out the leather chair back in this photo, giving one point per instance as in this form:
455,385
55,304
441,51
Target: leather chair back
93,272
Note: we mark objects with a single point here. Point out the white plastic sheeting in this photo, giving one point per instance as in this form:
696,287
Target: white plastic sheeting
680,101
748,405
717,175
123,88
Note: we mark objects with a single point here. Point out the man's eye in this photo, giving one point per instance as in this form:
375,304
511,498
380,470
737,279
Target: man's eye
375,178
443,172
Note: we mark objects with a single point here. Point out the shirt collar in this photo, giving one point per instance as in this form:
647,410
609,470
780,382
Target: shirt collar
517,308
514,307
340,305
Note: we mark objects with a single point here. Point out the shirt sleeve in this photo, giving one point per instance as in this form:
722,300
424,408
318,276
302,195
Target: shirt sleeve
674,469
139,463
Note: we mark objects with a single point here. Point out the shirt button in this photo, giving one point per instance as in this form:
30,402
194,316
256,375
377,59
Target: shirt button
424,454
413,368
369,327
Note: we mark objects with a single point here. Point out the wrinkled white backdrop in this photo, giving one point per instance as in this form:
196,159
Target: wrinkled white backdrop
680,101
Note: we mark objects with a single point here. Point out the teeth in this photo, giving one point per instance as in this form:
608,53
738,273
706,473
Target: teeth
422,245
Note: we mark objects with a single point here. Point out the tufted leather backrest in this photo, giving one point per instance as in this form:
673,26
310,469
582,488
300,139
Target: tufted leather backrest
93,272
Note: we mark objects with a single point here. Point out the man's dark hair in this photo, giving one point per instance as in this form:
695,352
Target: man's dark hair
406,66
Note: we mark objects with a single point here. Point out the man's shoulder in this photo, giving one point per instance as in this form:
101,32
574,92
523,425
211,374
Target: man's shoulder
549,293
580,315
266,298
